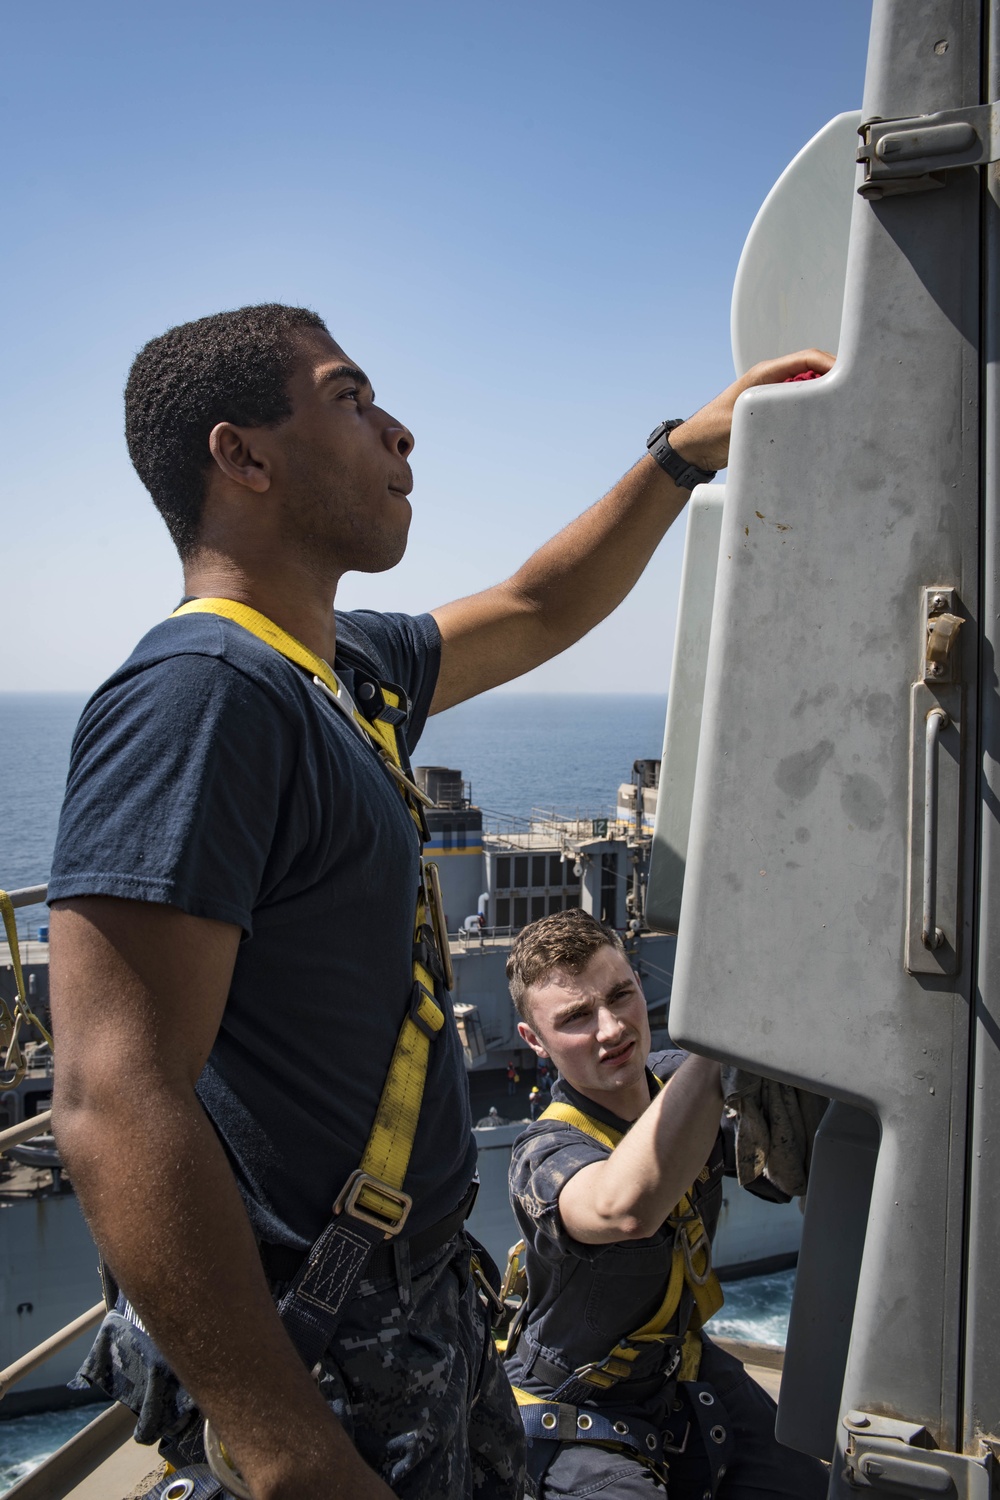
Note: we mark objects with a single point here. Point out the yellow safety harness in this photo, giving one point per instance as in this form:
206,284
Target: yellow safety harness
374,1193
568,1415
12,1020
371,1206
690,1266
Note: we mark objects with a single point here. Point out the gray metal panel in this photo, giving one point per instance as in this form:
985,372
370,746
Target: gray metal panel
684,704
982,1369
847,497
826,1287
789,288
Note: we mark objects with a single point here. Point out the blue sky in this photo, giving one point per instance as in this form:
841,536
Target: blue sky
522,219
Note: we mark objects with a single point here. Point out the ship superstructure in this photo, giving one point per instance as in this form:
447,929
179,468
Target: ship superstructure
498,875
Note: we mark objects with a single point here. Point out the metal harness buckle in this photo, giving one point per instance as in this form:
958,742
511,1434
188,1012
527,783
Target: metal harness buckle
221,1465
677,1448
418,995
604,1373
701,1244
485,1286
347,1203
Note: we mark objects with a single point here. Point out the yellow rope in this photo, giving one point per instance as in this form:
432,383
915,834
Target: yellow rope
12,1021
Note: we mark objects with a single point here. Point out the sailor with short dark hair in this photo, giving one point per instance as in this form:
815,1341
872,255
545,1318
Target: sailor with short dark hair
239,862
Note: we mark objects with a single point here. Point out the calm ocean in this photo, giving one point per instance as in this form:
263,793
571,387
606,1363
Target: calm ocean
520,751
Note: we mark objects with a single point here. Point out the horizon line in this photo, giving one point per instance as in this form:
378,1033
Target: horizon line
503,690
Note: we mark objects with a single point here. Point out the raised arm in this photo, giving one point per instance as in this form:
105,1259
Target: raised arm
571,583
630,1194
137,996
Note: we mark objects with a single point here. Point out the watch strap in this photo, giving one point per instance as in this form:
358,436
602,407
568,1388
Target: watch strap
684,474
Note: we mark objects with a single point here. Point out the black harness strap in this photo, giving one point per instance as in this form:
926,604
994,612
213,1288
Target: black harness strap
699,1410
196,1483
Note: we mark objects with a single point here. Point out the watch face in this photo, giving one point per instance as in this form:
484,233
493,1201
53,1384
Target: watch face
663,429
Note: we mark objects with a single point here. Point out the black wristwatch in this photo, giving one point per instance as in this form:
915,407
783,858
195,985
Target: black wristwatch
684,474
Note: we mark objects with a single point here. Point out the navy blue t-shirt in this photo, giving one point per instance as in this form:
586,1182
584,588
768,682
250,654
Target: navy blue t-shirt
583,1298
209,773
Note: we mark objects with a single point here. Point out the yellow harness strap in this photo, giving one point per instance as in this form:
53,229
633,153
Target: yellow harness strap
525,1398
605,1134
387,1155
691,1265
381,734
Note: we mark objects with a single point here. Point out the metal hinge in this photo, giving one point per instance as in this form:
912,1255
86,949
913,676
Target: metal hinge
911,156
897,1458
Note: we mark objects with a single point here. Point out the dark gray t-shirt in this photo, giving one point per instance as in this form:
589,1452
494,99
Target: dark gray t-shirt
210,774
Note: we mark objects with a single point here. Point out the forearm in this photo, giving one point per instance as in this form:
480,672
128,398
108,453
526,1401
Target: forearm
575,580
571,583
565,588
164,1209
631,1194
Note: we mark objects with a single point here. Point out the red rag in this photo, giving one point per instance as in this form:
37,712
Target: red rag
806,375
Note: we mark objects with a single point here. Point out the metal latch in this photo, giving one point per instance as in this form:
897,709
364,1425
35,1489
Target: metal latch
897,1458
911,155
942,662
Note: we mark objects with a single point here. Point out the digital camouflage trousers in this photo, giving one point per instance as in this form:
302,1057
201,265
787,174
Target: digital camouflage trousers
412,1374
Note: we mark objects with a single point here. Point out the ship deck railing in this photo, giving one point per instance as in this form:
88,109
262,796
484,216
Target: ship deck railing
64,1471
102,1462
475,937
554,831
27,1364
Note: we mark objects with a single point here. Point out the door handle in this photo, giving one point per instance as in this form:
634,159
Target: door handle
930,933
933,923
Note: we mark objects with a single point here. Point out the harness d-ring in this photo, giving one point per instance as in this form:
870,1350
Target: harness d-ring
221,1467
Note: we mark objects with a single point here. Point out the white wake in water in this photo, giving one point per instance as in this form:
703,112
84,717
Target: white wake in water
26,1441
756,1309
